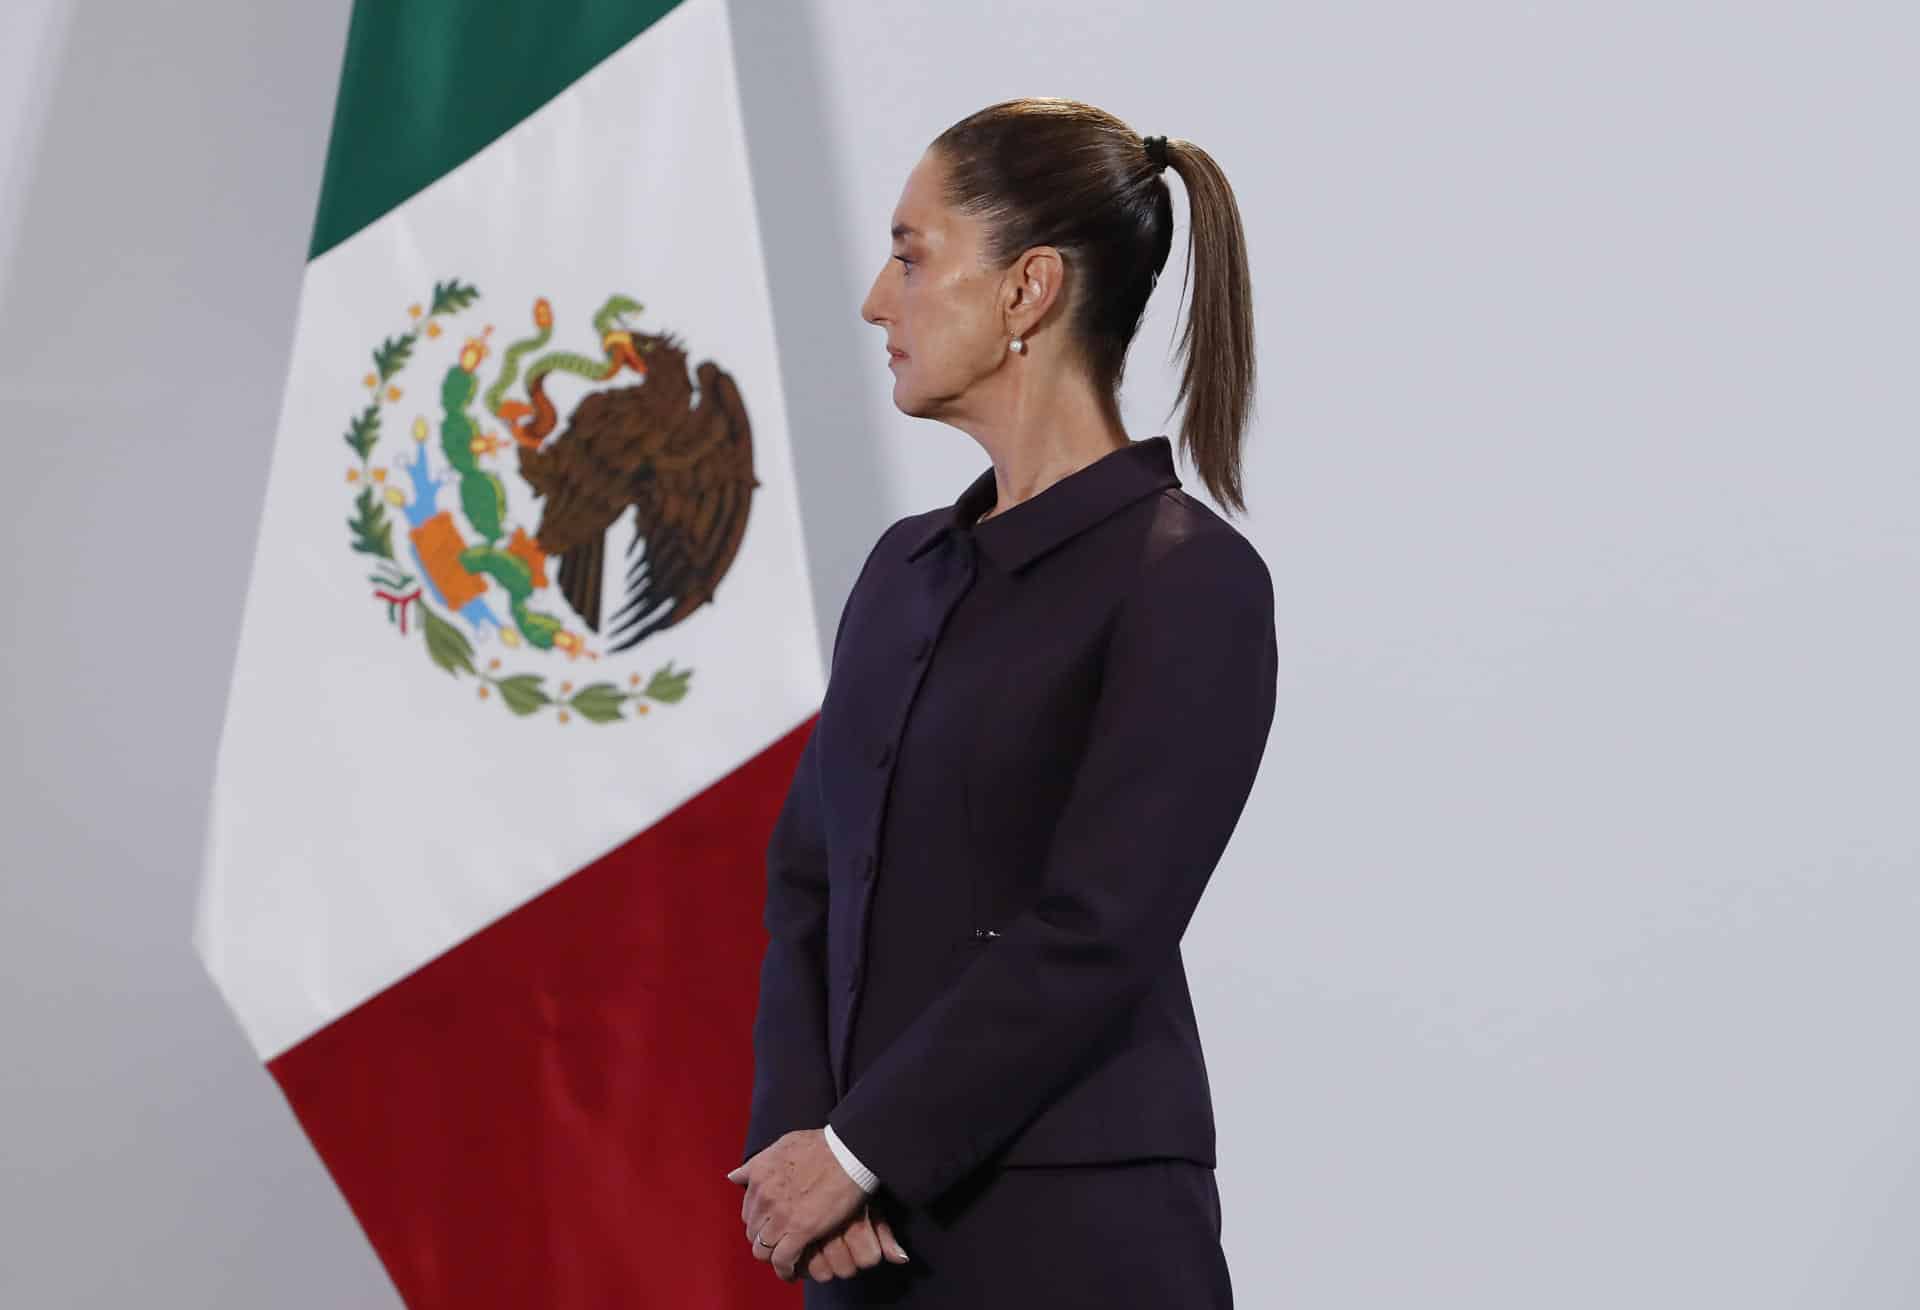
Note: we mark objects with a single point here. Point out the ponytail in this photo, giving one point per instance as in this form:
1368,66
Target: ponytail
1217,343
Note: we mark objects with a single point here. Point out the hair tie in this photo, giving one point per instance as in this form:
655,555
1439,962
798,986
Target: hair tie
1156,150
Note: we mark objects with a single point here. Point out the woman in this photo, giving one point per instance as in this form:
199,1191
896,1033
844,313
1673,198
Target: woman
978,1078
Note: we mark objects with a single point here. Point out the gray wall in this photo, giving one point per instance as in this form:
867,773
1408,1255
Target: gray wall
145,1157
1565,957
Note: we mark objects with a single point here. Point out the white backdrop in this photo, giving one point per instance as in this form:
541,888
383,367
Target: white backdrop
1565,955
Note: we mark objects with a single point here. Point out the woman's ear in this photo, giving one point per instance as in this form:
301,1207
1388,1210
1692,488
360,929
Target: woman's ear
1040,275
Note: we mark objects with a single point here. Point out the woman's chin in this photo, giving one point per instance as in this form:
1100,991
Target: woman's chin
905,398
915,401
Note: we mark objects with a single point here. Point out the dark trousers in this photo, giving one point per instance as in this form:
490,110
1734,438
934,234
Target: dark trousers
1141,1233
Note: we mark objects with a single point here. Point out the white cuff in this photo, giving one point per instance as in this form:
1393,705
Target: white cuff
851,1163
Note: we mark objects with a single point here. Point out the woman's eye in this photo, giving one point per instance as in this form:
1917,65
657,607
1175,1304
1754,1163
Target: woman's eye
904,260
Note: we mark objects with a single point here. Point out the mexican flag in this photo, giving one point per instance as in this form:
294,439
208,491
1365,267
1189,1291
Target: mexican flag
526,663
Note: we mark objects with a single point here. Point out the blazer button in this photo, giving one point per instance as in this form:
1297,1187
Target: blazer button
866,868
920,649
881,756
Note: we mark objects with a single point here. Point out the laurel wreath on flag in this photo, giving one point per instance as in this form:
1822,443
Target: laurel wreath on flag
401,592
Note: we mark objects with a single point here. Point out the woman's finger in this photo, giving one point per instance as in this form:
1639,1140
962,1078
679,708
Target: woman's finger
839,1256
785,1256
888,1243
863,1244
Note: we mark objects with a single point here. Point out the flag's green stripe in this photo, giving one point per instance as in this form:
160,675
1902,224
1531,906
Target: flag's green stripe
428,83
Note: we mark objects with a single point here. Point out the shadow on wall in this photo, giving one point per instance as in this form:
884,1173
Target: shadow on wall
800,185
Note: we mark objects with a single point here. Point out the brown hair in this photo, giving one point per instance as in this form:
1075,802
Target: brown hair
1048,171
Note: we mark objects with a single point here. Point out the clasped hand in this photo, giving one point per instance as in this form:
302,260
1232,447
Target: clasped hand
801,1200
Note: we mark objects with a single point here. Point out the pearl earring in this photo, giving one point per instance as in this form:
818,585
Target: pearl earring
1017,346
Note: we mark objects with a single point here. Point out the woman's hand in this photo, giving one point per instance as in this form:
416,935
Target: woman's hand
797,1193
861,1243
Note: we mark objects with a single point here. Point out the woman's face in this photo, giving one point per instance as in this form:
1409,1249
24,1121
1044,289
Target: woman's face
939,306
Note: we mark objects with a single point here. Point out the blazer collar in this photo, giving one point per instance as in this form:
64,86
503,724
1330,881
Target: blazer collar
1015,538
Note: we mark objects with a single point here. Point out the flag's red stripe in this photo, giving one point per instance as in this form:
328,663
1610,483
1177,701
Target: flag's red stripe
544,1115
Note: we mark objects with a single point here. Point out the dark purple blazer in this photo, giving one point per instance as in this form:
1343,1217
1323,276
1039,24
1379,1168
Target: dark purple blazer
1038,733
